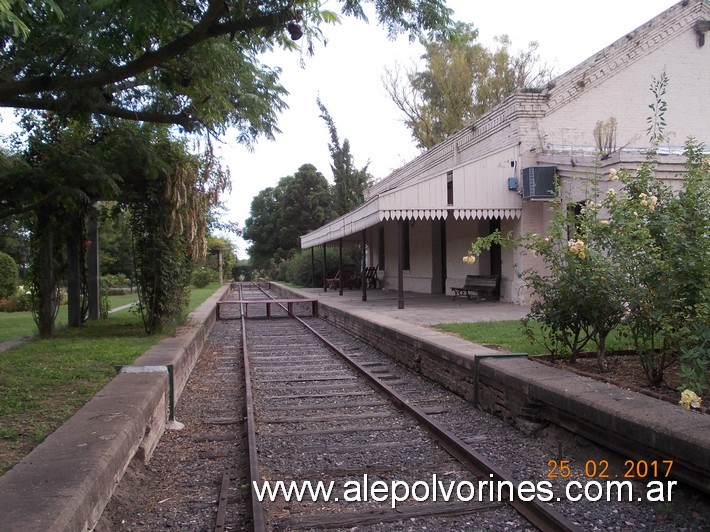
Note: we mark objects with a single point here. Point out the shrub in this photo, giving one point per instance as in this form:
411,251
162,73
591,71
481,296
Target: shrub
9,275
298,269
118,280
118,291
643,266
20,301
203,277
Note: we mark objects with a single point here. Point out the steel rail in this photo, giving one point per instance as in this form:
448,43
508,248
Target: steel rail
257,508
541,515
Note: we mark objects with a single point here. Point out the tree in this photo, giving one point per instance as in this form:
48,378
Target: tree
115,238
168,194
280,215
461,80
192,64
349,182
53,177
306,203
261,228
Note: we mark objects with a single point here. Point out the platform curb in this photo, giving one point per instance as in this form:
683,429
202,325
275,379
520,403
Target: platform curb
65,483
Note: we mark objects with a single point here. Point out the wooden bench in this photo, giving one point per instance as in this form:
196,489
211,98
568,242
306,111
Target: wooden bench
371,276
268,302
346,276
488,285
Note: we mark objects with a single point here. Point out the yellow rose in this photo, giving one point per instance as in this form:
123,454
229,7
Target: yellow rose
582,255
688,399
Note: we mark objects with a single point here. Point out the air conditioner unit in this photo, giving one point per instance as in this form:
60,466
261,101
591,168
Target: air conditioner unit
539,182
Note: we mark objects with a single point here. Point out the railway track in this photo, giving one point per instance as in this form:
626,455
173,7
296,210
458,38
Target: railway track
363,443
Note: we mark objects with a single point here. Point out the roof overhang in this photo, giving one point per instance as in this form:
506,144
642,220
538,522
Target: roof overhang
349,226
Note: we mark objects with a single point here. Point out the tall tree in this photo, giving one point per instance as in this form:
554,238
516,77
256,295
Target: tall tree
349,182
193,64
306,203
280,215
261,228
460,81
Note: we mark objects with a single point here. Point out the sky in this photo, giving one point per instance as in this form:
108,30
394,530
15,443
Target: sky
347,74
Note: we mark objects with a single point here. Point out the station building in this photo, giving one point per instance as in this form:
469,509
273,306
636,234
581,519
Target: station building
498,173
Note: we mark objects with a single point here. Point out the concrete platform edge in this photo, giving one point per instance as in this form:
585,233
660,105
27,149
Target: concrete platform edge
65,482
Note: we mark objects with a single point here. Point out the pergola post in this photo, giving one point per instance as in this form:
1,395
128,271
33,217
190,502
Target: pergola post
94,275
74,269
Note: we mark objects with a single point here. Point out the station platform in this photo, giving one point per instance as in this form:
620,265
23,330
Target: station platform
419,309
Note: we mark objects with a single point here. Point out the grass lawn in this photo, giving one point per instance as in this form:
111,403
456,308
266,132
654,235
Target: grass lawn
43,382
18,324
119,301
508,335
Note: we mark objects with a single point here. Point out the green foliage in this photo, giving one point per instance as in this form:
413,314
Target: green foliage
637,257
229,259
657,121
192,64
658,238
695,360
104,304
576,292
461,80
20,301
243,271
513,336
349,182
118,280
643,264
46,381
115,244
280,215
298,268
168,197
15,238
203,276
9,275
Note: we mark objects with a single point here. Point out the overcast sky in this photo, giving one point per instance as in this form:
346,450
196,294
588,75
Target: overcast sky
347,75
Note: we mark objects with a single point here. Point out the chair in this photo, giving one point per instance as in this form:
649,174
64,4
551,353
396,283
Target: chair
371,276
344,275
